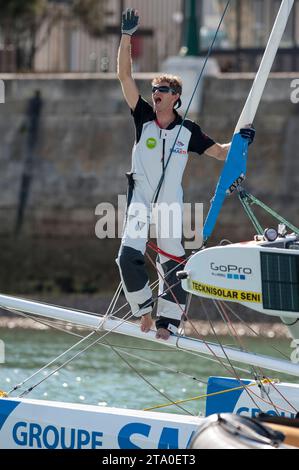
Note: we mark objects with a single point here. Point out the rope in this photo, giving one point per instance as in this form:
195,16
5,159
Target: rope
156,194
255,373
227,358
206,395
148,382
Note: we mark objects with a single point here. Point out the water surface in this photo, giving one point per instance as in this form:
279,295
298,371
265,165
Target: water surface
100,376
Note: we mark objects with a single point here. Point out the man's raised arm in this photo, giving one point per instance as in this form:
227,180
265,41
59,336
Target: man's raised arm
124,62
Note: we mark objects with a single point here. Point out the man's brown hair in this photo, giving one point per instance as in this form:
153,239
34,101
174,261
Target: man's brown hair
173,81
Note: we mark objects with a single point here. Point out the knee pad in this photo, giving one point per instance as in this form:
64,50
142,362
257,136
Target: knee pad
131,263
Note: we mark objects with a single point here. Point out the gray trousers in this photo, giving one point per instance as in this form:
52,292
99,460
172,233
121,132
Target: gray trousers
132,268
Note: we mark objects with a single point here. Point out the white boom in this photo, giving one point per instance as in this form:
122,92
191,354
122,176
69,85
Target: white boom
129,329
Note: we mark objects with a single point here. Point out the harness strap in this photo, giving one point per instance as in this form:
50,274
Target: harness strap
158,250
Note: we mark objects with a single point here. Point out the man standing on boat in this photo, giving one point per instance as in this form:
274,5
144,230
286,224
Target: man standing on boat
152,181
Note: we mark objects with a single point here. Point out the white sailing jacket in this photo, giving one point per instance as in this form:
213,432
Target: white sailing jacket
152,148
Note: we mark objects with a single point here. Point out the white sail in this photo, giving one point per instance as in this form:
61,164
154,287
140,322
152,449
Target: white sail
130,329
254,97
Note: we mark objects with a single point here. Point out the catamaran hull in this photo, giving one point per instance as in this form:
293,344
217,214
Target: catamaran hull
39,424
225,395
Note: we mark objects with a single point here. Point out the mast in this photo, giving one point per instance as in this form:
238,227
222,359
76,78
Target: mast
250,108
130,329
234,169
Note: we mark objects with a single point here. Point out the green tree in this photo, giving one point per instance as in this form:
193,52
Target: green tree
91,13
19,24
21,20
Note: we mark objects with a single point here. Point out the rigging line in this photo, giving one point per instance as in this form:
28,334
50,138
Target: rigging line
167,285
175,351
221,310
181,331
179,349
156,194
68,361
154,299
183,311
219,360
231,329
157,364
83,339
234,373
16,387
62,354
284,398
127,316
95,314
114,299
257,372
148,382
234,334
164,277
276,407
159,251
51,325
186,315
155,283
79,353
199,397
124,319
258,380
275,388
120,347
57,306
55,324
223,307
71,358
252,330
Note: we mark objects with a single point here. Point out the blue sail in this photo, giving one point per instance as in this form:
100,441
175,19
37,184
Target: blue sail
232,175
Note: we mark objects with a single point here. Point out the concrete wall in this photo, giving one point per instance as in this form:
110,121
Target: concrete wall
83,151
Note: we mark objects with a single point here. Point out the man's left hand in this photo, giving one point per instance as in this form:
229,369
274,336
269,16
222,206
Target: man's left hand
130,21
248,133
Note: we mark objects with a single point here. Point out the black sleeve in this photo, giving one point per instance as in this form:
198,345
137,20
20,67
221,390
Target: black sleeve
199,141
142,113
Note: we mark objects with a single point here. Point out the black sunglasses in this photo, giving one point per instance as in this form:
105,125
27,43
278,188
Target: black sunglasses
163,89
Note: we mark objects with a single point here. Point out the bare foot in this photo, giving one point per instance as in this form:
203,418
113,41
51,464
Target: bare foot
146,323
162,333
